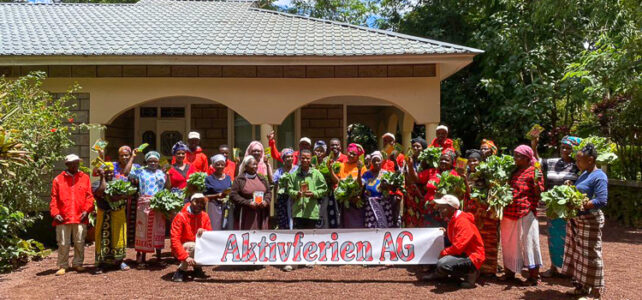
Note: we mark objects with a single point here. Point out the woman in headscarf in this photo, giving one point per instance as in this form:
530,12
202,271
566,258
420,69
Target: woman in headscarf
415,188
442,139
379,203
256,150
583,249
251,195
180,171
283,202
519,227
320,150
218,186
150,225
487,224
111,224
351,217
558,171
487,148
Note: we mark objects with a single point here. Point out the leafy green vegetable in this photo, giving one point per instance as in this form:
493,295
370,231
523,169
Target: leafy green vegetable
323,167
450,184
118,188
346,190
284,181
198,181
167,202
496,171
563,201
605,149
430,156
394,181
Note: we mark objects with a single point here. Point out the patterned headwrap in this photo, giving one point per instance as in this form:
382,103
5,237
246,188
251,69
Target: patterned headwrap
526,151
287,151
151,154
421,141
376,154
356,148
571,140
451,153
125,148
490,145
216,158
321,144
179,146
473,153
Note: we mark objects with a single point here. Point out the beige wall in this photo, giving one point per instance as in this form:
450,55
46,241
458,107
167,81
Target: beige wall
259,100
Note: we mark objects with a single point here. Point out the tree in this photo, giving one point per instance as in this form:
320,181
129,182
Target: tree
358,12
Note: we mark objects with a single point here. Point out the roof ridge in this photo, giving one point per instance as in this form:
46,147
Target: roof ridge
374,30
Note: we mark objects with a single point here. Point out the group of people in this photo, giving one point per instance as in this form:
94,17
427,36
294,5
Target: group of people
239,193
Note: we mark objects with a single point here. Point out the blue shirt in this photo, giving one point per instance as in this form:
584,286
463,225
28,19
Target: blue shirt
595,185
215,186
280,171
372,183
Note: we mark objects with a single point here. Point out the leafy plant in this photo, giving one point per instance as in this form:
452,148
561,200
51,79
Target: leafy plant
394,181
430,156
450,184
323,167
15,251
605,149
118,188
563,201
496,171
198,181
347,190
167,202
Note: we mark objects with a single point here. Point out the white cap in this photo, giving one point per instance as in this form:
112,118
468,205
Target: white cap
442,127
71,157
197,196
194,135
390,135
305,139
448,200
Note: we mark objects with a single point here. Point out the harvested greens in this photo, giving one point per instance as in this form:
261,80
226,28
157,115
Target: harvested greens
198,181
346,190
118,188
605,149
430,156
450,184
167,202
496,171
394,181
563,201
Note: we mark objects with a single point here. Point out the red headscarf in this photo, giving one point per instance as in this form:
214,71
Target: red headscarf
356,148
526,151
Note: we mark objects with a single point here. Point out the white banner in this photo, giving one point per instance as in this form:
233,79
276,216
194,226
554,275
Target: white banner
409,246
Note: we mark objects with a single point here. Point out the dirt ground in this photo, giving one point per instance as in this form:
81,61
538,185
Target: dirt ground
36,280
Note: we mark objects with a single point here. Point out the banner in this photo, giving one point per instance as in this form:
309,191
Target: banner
391,246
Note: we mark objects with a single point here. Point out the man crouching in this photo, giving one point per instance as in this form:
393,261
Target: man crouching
188,224
466,254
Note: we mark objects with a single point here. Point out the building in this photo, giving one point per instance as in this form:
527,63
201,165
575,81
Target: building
154,70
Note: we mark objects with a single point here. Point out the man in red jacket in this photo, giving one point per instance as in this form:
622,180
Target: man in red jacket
195,156
188,224
466,254
71,202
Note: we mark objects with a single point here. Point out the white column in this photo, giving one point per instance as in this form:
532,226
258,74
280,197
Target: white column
265,130
406,130
431,131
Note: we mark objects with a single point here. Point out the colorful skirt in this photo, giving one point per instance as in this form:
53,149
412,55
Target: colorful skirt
131,221
556,238
333,212
111,236
150,227
352,217
489,231
379,212
520,243
284,211
414,208
583,250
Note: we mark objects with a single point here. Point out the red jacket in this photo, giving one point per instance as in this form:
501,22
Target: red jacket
184,228
389,165
177,180
445,147
196,158
465,238
342,158
276,155
71,196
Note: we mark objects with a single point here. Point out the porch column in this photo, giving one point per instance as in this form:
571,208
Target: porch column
431,131
265,130
406,130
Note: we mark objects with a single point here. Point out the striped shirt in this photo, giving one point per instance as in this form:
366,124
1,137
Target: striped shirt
557,171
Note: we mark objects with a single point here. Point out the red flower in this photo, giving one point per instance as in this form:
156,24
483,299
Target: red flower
71,120
54,129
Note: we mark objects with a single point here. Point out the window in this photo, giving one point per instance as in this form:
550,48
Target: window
172,112
168,139
148,112
149,137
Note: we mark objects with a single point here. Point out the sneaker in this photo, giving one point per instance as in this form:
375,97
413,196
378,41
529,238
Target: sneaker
61,272
178,276
467,285
198,273
433,276
98,271
79,269
124,267
288,268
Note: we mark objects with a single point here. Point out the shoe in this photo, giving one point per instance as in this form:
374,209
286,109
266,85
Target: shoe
79,269
467,285
178,276
288,268
433,276
530,282
61,272
577,292
552,272
310,266
470,280
124,267
508,276
98,271
198,273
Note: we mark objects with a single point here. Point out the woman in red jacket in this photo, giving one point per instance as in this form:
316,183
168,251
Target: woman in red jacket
180,171
466,254
188,224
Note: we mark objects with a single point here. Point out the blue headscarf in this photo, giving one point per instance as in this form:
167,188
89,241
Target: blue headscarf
321,144
287,151
151,154
179,146
571,140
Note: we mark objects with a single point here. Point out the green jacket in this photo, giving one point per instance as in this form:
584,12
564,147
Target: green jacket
307,208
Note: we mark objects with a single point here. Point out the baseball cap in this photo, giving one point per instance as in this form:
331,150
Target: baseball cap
448,200
71,157
194,135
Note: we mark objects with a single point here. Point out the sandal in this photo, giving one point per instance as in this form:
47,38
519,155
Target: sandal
577,292
124,267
